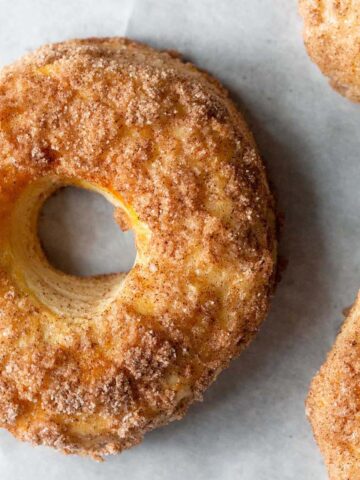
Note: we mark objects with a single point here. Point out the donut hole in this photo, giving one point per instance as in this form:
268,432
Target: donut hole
47,263
79,235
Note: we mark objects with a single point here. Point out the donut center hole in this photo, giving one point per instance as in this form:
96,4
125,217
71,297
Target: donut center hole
79,235
65,249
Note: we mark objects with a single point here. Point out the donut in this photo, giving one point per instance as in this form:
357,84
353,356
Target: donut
89,364
333,403
332,38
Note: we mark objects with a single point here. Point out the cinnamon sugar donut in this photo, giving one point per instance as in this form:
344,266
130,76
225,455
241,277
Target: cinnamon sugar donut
332,37
333,404
88,365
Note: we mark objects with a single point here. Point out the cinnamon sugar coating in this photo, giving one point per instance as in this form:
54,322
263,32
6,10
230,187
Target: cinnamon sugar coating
88,366
333,404
332,38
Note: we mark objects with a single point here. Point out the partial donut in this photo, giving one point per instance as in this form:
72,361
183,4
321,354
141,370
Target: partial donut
332,38
88,365
333,404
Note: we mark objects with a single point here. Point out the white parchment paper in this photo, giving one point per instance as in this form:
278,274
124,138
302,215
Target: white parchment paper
251,425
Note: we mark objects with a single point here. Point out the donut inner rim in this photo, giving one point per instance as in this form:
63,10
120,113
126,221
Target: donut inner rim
55,291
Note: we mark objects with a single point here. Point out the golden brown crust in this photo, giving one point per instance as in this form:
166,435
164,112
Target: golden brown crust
332,37
333,404
165,140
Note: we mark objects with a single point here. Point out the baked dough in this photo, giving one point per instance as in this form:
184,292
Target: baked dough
332,37
333,404
88,365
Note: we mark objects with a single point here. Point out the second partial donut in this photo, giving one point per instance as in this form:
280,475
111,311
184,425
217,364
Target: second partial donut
332,38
